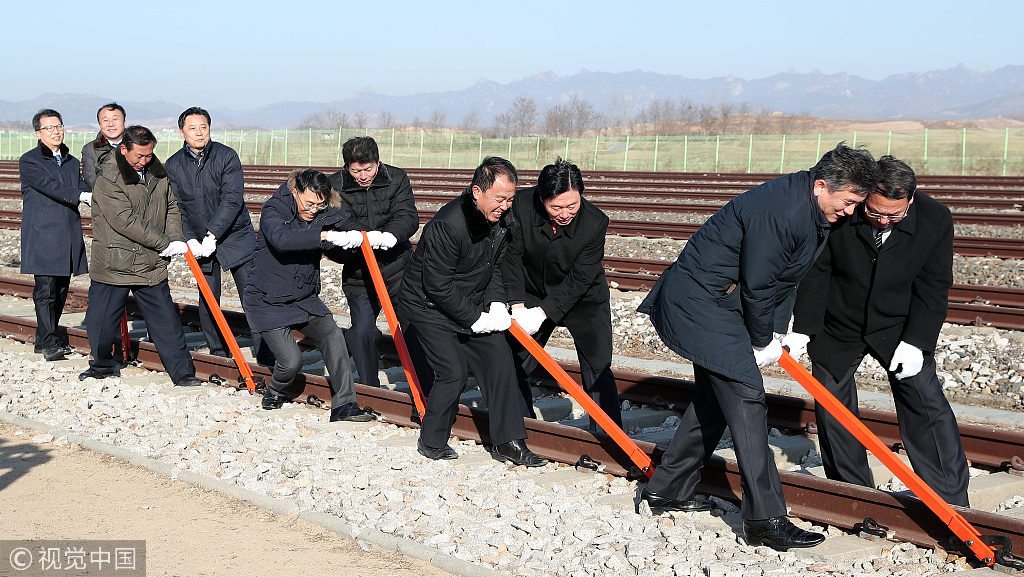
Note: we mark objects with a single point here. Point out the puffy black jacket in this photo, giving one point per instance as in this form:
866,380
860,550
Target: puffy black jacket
386,205
732,281
454,274
284,278
210,197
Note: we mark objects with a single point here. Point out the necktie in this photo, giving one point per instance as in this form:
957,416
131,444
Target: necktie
57,158
878,239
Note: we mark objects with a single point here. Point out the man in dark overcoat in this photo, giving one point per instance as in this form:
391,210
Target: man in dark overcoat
881,288
207,180
299,225
453,311
52,247
717,306
111,118
380,196
554,276
136,232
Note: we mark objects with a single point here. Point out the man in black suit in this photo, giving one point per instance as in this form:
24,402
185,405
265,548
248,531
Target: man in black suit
881,288
554,277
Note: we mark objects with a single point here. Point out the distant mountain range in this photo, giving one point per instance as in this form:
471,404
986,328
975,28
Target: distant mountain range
952,94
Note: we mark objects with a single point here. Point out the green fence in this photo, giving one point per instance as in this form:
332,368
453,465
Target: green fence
974,152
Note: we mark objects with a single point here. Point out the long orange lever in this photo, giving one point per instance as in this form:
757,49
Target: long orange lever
396,330
222,323
635,454
955,521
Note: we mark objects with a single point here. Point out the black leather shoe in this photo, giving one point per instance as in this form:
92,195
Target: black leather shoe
94,373
445,453
189,381
54,353
350,412
272,400
517,452
661,504
779,534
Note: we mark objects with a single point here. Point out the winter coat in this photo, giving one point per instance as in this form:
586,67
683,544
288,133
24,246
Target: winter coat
210,193
284,275
51,226
386,205
454,274
856,295
132,222
561,272
720,297
93,153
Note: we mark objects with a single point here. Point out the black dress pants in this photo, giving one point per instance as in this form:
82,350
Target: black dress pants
325,333
928,431
218,346
722,401
103,324
363,336
443,359
49,296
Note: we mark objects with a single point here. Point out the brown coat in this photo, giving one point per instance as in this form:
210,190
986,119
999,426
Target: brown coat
132,223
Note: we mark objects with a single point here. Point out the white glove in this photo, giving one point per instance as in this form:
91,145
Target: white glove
768,354
387,240
482,324
209,245
378,239
910,357
196,247
500,319
345,239
176,248
85,197
796,343
529,319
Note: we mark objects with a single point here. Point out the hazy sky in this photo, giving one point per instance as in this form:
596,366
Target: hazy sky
246,54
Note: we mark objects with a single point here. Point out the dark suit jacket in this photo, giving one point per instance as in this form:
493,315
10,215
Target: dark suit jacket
856,295
51,226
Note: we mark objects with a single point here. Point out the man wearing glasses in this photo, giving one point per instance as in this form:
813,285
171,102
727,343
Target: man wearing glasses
881,288
52,247
299,225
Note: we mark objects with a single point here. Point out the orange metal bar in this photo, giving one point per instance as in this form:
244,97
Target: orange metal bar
635,454
955,521
396,330
222,323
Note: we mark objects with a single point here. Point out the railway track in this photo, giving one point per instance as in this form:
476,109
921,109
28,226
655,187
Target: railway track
810,497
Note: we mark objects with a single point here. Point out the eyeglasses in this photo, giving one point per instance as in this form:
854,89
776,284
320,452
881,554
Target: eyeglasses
52,129
888,217
315,206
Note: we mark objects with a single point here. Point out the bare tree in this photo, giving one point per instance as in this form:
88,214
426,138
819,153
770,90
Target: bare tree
584,116
763,122
524,115
385,120
706,119
504,124
726,110
362,119
327,119
557,120
438,119
470,120
686,113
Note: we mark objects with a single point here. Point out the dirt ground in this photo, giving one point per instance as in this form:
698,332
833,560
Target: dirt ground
67,492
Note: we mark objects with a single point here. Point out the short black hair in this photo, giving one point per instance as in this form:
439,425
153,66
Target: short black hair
137,135
37,124
896,179
314,180
554,179
111,106
843,166
189,112
360,150
489,170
